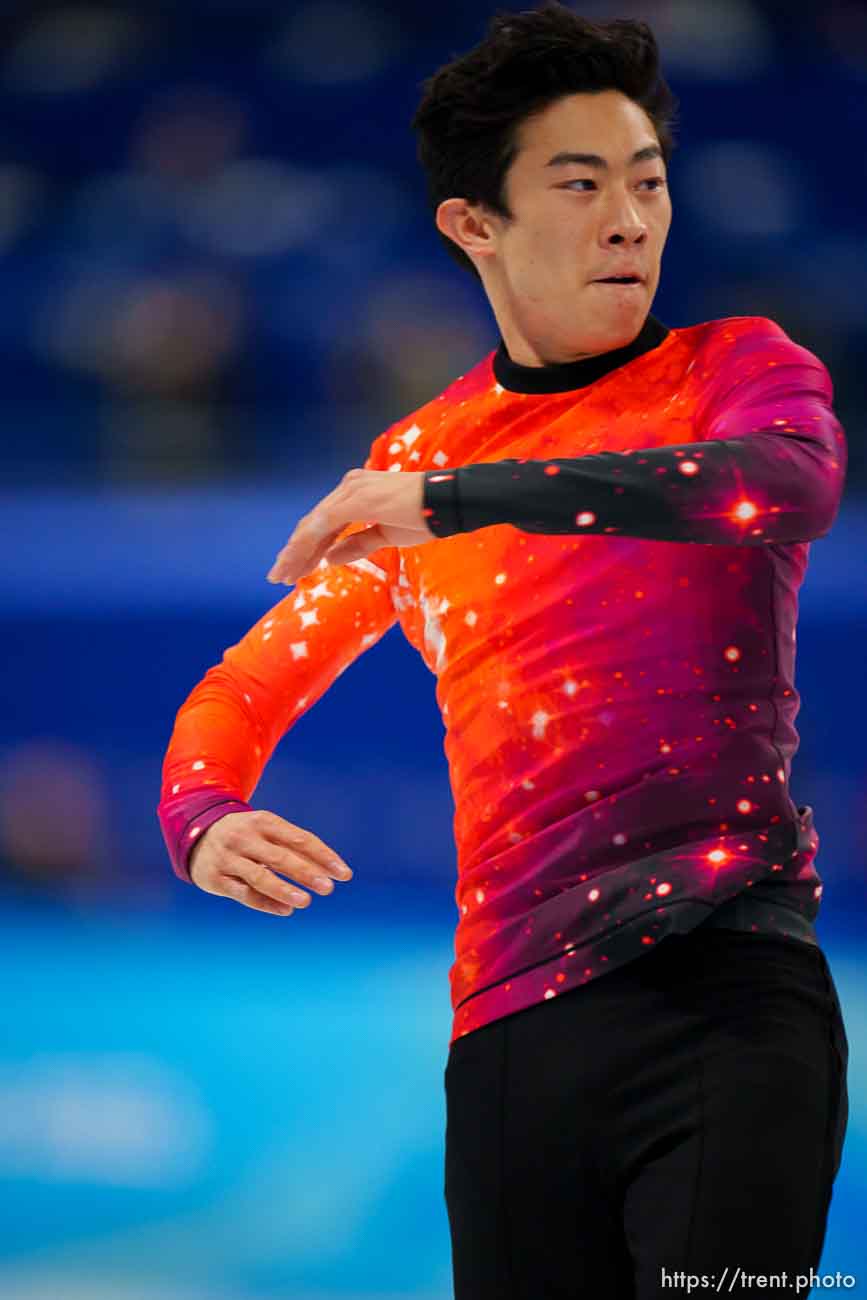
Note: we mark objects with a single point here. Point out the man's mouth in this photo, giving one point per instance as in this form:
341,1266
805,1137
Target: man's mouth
620,279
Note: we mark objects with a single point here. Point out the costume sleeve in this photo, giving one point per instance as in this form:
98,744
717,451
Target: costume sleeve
230,724
769,467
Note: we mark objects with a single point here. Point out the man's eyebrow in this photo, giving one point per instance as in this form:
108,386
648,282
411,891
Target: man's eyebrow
594,159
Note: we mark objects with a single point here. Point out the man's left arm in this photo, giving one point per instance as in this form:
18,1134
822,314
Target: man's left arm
769,468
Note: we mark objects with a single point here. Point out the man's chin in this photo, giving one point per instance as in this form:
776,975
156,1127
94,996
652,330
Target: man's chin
616,329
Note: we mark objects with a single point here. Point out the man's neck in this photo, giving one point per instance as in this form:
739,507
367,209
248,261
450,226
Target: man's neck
562,377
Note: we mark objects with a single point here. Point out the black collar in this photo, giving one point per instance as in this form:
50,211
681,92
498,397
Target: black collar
562,376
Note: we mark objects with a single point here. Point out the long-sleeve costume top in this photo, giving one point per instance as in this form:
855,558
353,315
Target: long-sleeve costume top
609,608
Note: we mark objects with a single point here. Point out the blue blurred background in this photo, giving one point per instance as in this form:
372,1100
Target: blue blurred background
221,282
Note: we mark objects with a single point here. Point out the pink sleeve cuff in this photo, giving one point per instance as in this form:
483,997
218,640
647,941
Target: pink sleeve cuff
184,818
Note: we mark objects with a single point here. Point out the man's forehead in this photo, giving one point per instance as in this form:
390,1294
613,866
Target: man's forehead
581,123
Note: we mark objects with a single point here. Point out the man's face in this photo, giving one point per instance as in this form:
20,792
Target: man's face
575,222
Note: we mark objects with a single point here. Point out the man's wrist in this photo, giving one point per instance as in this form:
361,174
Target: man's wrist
184,818
440,497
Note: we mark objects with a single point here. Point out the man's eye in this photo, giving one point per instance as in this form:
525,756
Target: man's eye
656,181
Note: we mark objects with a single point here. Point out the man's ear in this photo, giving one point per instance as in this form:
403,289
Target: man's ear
467,225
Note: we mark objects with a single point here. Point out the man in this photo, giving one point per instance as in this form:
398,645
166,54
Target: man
595,539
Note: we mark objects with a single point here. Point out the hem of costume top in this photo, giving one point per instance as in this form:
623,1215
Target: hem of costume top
627,944
595,955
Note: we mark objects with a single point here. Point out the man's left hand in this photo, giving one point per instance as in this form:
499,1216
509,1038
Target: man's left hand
389,503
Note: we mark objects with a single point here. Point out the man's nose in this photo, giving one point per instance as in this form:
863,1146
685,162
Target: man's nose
633,234
624,226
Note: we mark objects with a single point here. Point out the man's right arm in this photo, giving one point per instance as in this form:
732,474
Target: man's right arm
230,724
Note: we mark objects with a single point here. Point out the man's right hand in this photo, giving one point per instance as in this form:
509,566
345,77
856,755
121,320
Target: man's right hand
239,855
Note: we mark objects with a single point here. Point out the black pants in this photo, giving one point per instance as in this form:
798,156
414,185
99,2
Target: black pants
684,1113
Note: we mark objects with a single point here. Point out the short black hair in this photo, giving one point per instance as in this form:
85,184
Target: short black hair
471,109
